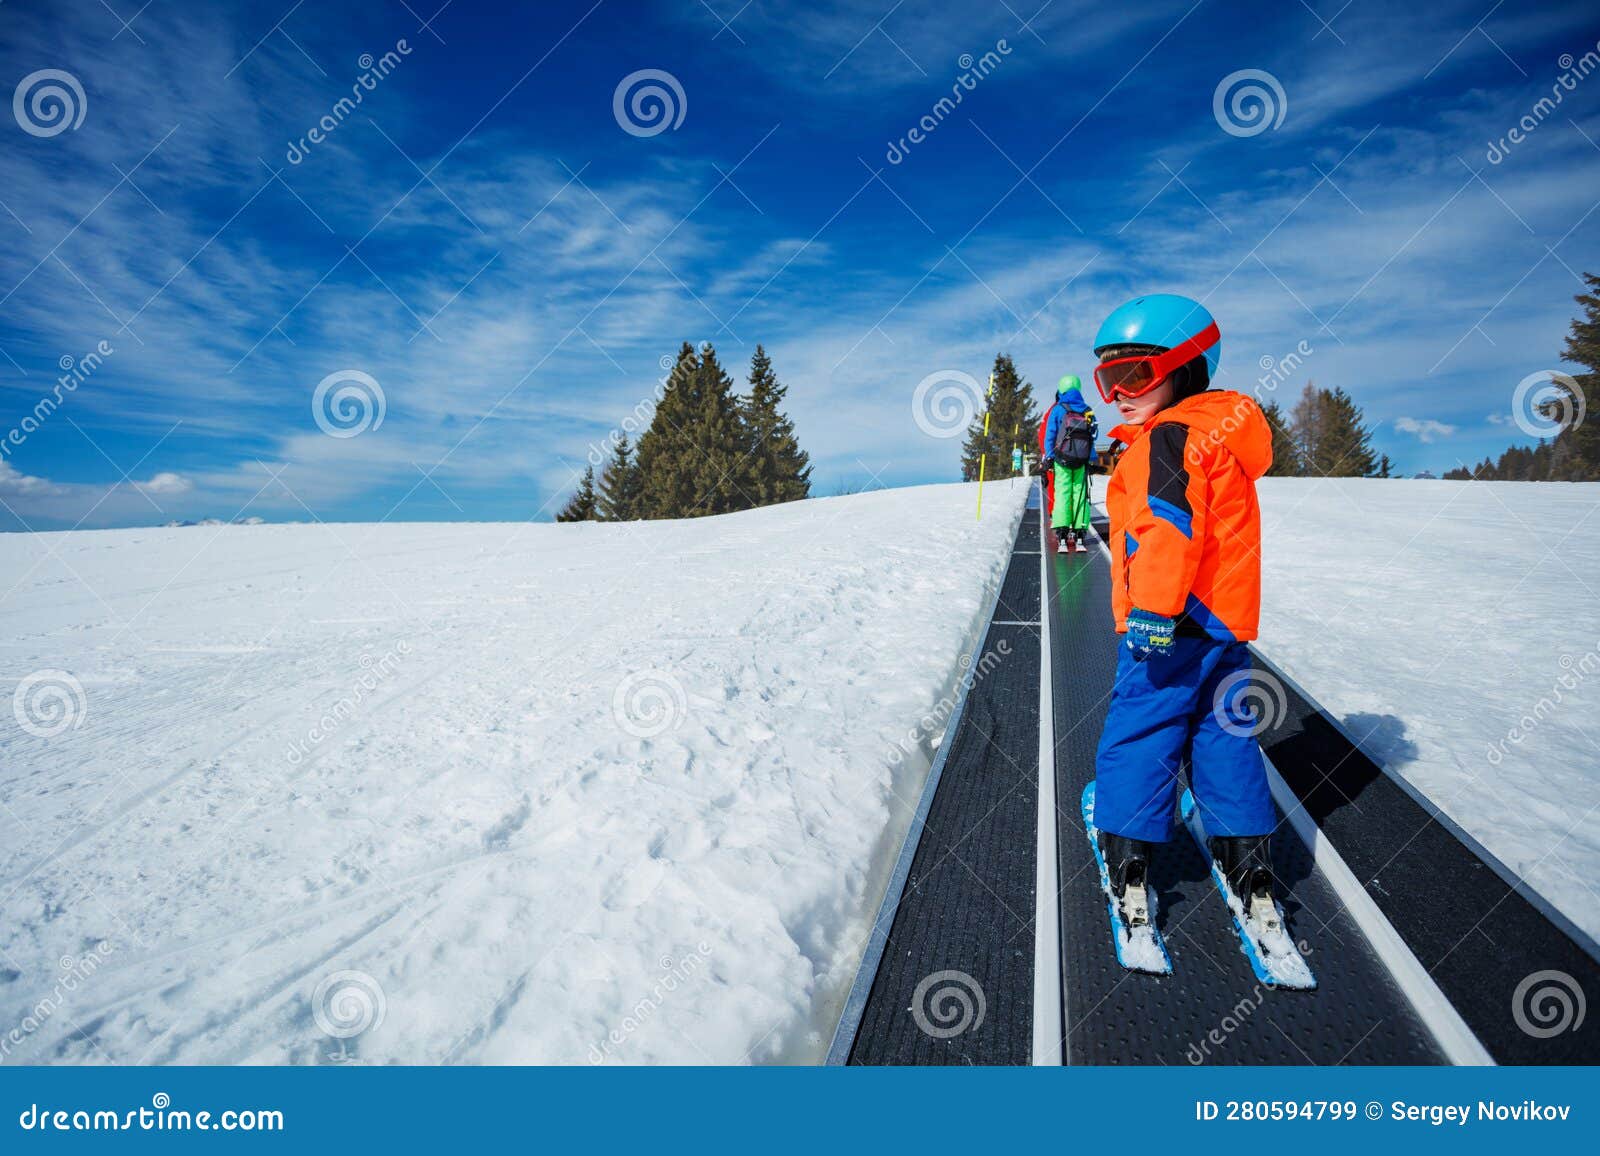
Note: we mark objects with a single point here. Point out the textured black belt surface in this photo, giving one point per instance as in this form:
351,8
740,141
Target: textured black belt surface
1494,954
962,938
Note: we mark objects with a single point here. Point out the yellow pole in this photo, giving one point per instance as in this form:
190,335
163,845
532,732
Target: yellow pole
983,458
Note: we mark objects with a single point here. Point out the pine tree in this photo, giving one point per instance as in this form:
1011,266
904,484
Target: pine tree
1285,447
1385,467
663,482
1013,421
782,469
618,495
581,506
1573,455
723,469
693,459
1578,446
1334,439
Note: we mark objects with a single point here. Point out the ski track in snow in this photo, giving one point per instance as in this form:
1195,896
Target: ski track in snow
527,874
1437,620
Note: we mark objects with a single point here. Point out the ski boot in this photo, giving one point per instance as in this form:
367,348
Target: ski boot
1246,863
1128,865
1063,542
1079,543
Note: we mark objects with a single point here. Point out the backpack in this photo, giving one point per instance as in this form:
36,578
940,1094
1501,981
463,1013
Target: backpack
1074,445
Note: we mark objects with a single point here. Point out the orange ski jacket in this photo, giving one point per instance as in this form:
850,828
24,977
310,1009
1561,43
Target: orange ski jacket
1185,524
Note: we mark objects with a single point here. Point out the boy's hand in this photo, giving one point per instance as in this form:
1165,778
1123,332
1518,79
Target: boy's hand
1149,633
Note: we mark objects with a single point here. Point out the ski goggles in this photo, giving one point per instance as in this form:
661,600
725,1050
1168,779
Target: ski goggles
1137,376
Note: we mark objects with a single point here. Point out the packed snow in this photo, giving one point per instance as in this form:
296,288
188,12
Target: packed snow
1453,628
469,793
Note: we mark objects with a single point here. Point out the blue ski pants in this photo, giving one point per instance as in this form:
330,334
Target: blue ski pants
1188,703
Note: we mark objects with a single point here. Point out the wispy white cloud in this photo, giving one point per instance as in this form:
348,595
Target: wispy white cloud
1424,429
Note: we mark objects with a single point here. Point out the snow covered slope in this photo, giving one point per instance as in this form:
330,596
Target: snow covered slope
1455,629
493,793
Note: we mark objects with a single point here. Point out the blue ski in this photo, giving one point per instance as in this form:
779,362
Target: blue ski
1139,948
1263,936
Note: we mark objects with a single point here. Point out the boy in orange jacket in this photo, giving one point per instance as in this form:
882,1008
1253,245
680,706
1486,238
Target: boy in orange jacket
1186,594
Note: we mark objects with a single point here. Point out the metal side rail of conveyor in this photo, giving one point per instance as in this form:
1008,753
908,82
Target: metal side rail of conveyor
947,976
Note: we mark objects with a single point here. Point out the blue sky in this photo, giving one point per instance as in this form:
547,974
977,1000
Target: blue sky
485,241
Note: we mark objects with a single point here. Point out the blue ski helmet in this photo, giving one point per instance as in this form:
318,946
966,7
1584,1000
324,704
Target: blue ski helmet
1163,320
